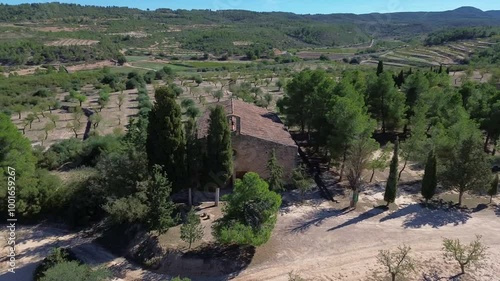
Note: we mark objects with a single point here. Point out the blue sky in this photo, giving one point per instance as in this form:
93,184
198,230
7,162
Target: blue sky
296,6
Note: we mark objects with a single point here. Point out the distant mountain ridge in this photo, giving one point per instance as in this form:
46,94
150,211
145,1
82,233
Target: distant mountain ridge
310,27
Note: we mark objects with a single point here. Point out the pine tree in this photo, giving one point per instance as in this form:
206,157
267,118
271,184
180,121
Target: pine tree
494,188
275,179
466,167
380,67
429,182
166,143
191,230
392,181
400,79
161,207
219,159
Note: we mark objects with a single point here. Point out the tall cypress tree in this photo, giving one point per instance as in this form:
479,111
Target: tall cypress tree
194,158
219,161
166,143
494,188
392,181
275,178
429,182
161,208
380,67
401,79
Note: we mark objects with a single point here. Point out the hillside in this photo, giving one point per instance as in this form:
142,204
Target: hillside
233,32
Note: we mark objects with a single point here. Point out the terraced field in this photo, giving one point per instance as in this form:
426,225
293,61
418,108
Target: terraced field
72,42
423,56
399,54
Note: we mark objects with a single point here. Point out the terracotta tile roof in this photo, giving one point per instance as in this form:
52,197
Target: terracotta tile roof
256,121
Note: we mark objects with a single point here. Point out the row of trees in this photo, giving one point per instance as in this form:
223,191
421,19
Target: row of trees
250,213
30,52
464,33
466,168
400,263
341,119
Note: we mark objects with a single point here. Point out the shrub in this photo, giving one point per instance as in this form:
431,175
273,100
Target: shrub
250,214
75,272
324,58
56,256
78,153
62,152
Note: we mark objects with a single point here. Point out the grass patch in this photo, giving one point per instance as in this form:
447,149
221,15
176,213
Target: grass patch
126,69
150,65
333,51
136,58
213,64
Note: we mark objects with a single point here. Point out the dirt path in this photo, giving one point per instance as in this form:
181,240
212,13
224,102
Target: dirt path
320,241
38,241
137,67
323,243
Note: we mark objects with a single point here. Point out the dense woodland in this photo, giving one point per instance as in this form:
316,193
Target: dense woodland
423,111
32,53
450,35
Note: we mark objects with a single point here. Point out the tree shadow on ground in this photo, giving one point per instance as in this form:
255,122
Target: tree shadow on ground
120,270
38,232
434,275
331,182
92,253
372,189
293,197
316,218
209,262
479,208
410,187
364,216
417,216
22,273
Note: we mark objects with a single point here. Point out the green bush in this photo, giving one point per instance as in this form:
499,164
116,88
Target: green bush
65,151
74,271
250,214
56,256
79,153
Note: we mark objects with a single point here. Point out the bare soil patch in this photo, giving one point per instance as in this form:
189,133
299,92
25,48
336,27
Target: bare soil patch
136,34
324,241
72,42
60,28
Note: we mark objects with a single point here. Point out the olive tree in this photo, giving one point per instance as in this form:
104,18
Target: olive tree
465,255
398,262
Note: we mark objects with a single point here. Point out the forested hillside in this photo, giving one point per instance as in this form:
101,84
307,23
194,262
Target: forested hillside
232,32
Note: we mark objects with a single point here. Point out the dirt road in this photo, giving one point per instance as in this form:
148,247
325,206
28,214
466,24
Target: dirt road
319,241
36,243
324,243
